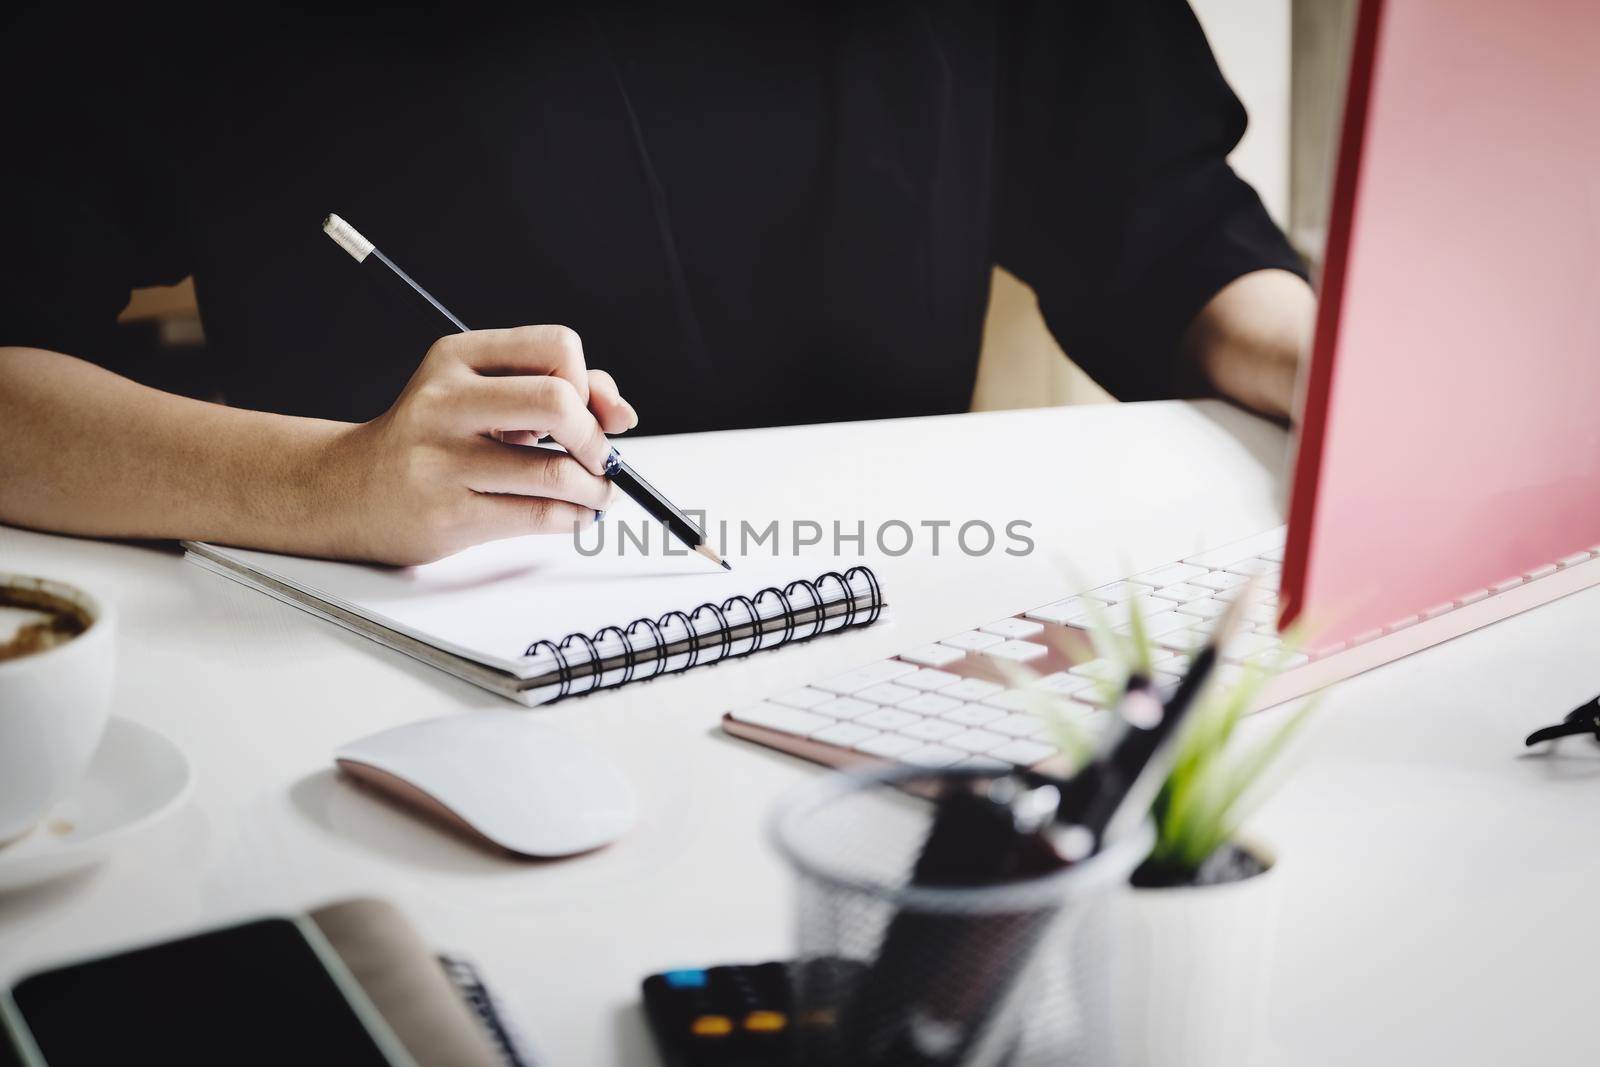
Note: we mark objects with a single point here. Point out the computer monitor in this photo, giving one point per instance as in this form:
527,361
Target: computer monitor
1450,436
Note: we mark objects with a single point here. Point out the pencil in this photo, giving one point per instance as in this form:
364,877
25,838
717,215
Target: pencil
616,469
1113,794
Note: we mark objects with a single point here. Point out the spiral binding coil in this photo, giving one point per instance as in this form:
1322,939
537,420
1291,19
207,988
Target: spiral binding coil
656,649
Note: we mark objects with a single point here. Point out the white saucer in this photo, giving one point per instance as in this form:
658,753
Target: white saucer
137,776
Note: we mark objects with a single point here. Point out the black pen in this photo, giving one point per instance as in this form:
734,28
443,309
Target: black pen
1113,794
616,468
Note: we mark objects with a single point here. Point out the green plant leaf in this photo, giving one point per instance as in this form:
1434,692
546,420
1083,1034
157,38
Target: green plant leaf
1211,786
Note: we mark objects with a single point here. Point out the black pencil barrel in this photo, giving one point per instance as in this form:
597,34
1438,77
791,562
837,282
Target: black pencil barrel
648,497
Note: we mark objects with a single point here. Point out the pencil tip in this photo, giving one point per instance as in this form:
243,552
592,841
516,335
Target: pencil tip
709,553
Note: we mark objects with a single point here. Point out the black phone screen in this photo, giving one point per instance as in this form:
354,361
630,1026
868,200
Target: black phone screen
245,995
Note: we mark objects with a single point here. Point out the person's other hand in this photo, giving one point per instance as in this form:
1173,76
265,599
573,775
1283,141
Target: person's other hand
453,462
1250,341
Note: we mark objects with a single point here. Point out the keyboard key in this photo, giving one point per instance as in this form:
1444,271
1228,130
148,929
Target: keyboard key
1019,725
1401,624
1011,700
1243,646
1164,681
1171,574
854,681
928,679
932,729
1184,592
844,734
972,640
982,763
1062,683
1117,592
1253,568
1471,598
1068,610
1220,580
1227,675
973,714
1017,651
928,704
1274,554
1023,753
1509,583
1439,609
1259,545
1540,572
934,756
978,741
803,698
888,719
887,746
971,689
1013,628
788,720
1262,614
886,693
1101,670
844,708
1204,609
1146,605
1574,559
1274,657
1184,642
1156,625
933,655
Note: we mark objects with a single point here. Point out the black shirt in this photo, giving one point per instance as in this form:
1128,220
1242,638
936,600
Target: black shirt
773,214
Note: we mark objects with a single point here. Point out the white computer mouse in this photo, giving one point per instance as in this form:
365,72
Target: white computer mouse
499,776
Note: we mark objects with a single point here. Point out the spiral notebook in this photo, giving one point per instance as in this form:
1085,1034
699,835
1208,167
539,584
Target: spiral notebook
533,619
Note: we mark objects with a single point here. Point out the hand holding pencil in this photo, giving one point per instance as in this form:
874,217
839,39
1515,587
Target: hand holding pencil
448,463
433,478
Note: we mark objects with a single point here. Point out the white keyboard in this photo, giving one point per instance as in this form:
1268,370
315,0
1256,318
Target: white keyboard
950,703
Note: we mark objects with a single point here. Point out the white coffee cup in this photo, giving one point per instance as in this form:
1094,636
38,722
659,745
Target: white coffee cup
53,709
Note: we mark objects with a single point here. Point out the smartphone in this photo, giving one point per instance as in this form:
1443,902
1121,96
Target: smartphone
266,992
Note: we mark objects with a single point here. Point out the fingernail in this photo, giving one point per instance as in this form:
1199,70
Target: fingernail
599,515
633,416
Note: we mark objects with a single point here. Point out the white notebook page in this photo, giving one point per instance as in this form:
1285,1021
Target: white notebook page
491,602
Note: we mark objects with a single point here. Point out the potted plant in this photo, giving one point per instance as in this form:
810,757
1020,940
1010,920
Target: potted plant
1183,952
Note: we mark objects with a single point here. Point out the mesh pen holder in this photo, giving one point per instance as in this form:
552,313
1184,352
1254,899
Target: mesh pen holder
891,974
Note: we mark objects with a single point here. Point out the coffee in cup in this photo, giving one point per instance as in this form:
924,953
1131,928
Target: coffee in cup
57,652
35,620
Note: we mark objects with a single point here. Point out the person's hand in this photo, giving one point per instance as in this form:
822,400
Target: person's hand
454,461
1250,340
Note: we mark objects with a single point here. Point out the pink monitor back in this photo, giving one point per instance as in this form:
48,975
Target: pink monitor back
1451,434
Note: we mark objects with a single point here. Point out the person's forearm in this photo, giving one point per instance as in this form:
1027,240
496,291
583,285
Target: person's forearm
85,451
449,465
1249,341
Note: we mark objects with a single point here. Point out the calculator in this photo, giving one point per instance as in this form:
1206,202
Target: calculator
738,1014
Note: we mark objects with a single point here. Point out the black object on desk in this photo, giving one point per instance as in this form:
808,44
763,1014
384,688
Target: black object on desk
351,984
740,1014
1583,719
940,979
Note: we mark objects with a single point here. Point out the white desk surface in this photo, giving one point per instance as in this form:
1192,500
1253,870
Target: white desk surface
1438,884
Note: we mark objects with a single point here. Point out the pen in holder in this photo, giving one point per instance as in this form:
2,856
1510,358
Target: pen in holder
893,968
